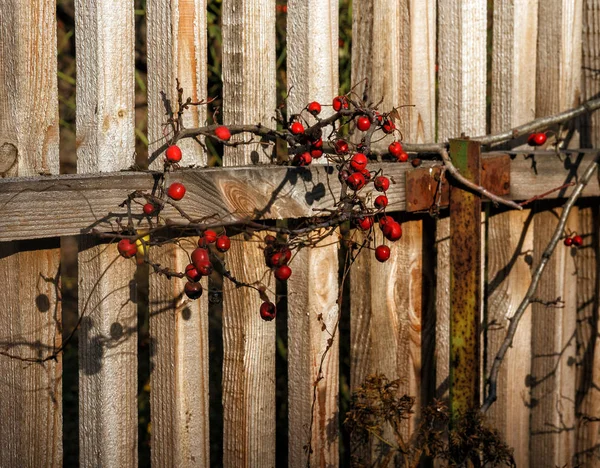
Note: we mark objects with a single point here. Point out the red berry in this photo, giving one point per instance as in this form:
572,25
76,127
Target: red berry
176,191
366,174
126,248
382,253
402,157
358,162
392,231
149,209
314,108
223,133
388,126
382,183
287,253
381,201
193,290
199,256
536,139
364,223
205,268
340,102
268,311
277,259
316,153
192,273
210,236
341,147
577,241
302,160
395,148
568,241
356,181
283,272
363,123
223,243
297,128
173,154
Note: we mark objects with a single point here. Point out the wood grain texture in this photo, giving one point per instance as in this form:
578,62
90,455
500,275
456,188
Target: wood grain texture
313,290
590,66
587,260
442,308
248,342
510,242
108,333
177,49
30,322
462,68
66,205
553,338
402,72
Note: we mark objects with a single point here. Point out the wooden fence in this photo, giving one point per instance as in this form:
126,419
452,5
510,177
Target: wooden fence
544,58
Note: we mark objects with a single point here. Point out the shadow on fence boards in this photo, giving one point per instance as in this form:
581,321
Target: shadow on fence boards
541,57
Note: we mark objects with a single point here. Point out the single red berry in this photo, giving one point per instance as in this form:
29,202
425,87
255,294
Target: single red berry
283,272
402,157
364,223
382,253
358,162
384,220
223,243
210,236
381,183
176,190
314,108
192,290
379,117
363,123
316,153
577,241
388,126
568,241
126,248
302,160
205,268
223,133
340,102
268,311
356,181
341,147
381,202
269,239
287,254
199,256
297,128
395,148
149,209
366,174
277,259
173,154
540,139
192,273
317,143
392,231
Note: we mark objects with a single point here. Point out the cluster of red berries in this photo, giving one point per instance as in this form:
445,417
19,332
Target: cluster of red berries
575,241
537,139
201,264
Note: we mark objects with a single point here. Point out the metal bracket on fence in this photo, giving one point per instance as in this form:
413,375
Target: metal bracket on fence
428,187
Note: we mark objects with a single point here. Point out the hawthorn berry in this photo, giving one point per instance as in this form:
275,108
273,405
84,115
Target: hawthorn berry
395,148
363,123
297,128
199,256
314,108
192,273
358,162
287,253
382,253
277,259
381,183
173,154
283,272
340,102
192,290
388,126
381,201
577,241
149,209
568,241
126,248
210,236
356,181
364,223
392,230
223,133
402,157
176,190
223,243
341,147
205,268
536,139
268,311
366,174
302,160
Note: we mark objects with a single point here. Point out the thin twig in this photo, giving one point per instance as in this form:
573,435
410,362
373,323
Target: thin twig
515,319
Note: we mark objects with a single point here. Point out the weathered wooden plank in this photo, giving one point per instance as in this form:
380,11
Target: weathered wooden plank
179,328
107,340
553,338
442,308
313,375
66,205
30,322
248,342
510,242
587,407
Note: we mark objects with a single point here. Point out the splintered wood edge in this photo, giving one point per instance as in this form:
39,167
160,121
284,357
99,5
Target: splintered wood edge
39,207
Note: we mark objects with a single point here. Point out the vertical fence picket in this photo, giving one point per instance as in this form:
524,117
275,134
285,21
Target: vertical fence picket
313,368
178,327
107,301
30,322
553,329
510,233
248,342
